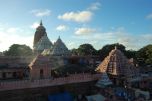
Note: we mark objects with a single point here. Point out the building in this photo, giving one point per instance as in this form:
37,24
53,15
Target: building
40,68
58,49
43,45
119,68
14,67
41,40
40,32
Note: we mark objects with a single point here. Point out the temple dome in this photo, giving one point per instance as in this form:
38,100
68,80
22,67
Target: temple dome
40,27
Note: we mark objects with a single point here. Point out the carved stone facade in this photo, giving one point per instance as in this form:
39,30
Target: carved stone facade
40,32
119,69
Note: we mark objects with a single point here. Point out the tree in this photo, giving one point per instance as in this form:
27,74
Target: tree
18,50
145,54
74,51
86,49
107,48
131,54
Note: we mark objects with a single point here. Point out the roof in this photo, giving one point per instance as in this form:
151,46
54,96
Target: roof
13,66
46,52
60,48
40,60
117,64
14,62
44,43
104,81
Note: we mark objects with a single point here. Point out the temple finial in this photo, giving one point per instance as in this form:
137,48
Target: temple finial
115,47
41,23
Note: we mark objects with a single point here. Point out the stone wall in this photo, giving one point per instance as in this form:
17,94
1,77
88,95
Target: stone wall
41,93
73,78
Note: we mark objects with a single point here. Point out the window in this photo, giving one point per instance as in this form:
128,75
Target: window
41,73
4,75
14,74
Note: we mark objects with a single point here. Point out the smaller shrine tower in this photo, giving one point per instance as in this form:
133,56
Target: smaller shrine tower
118,67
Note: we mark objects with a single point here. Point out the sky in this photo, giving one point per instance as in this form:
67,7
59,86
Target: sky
97,22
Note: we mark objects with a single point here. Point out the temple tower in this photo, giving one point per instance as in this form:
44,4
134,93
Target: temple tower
40,32
60,48
118,67
41,40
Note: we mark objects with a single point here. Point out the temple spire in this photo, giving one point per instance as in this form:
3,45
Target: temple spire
41,23
116,47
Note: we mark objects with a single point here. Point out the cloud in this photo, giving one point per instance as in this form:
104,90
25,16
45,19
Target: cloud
14,35
94,6
72,45
81,16
61,28
149,16
14,30
118,35
41,13
34,25
84,31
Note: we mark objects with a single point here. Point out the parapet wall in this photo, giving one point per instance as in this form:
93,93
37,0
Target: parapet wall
73,78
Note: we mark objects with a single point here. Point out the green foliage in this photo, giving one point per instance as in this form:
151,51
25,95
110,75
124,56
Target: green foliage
107,48
72,68
74,51
145,54
18,50
131,54
86,49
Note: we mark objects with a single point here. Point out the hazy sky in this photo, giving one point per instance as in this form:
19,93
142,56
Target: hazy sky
98,22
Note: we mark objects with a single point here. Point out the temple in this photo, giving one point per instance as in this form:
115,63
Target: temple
53,70
60,48
40,32
42,44
118,67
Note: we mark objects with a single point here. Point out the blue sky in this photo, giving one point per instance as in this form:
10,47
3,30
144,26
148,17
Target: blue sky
98,22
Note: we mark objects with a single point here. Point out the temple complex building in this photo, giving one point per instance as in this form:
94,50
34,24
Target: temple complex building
40,32
42,44
58,49
53,69
40,68
14,67
118,67
41,40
